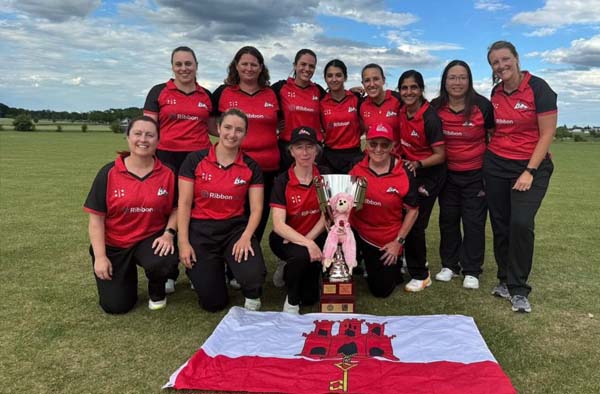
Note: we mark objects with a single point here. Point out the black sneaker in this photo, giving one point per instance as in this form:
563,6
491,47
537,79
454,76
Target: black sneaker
501,290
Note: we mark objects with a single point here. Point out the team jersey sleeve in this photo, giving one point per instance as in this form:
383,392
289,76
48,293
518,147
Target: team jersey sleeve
487,110
187,171
545,98
433,128
151,106
96,200
278,192
411,200
216,98
257,175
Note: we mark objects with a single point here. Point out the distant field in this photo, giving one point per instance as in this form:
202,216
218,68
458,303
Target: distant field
55,339
48,125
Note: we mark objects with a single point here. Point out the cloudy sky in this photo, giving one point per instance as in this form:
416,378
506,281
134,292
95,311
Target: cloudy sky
81,55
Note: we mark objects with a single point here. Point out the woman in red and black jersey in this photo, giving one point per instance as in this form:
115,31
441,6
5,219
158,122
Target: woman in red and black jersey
423,150
298,225
247,88
381,105
214,185
132,221
389,210
467,118
340,121
298,102
182,109
517,168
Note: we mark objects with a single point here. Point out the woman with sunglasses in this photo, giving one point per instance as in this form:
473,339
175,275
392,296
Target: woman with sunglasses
388,213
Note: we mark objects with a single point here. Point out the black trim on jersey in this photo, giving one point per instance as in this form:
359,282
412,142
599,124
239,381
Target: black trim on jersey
96,198
151,103
433,126
545,98
487,110
195,158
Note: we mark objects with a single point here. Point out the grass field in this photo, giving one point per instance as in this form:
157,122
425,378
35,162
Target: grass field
55,339
48,125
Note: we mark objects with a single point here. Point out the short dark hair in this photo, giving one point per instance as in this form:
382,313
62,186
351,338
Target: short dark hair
143,118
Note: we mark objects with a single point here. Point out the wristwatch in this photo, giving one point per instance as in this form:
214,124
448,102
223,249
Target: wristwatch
531,170
171,231
401,240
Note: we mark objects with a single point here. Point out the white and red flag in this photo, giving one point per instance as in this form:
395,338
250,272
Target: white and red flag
274,352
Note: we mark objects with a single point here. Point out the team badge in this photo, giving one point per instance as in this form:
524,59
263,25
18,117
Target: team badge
162,192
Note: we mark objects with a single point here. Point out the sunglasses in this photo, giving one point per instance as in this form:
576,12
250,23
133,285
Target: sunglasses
382,145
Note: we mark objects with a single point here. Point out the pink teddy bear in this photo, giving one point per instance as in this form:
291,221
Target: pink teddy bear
340,233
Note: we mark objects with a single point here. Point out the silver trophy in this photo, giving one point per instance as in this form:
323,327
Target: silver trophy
338,195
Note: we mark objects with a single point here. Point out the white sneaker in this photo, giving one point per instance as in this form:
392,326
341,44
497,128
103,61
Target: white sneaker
234,284
156,305
252,304
289,308
278,274
470,282
170,286
416,285
445,275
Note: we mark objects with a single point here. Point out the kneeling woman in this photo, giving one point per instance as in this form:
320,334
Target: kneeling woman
298,226
389,211
213,187
132,221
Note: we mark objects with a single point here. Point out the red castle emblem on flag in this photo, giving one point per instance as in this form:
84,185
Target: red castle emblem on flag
349,341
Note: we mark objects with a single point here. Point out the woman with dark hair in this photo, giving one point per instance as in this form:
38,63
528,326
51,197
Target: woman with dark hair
298,102
517,168
298,225
423,151
340,121
182,110
467,118
247,88
380,105
132,207
215,230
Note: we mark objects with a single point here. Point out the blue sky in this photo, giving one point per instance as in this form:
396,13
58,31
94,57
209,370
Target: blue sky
81,55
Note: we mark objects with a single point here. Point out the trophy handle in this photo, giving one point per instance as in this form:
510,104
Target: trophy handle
360,192
319,182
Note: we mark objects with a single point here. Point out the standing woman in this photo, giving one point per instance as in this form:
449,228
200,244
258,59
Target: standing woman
517,168
423,150
380,105
389,211
298,225
339,117
132,222
214,184
467,118
182,109
247,88
298,102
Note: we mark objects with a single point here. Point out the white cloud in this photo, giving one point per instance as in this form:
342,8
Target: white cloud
541,32
582,52
491,5
366,11
54,10
557,13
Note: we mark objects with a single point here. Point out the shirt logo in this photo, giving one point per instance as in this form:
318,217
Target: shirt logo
296,199
414,134
390,114
303,132
468,123
351,109
291,94
268,105
233,104
520,105
315,98
119,193
171,101
206,176
239,181
392,189
162,192
327,112
202,105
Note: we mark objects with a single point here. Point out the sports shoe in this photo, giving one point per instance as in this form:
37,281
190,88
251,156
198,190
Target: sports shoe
445,275
278,274
520,304
470,282
156,305
170,286
234,284
417,285
252,304
289,308
501,290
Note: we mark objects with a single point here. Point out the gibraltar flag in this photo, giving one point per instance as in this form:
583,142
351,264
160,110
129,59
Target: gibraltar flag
275,352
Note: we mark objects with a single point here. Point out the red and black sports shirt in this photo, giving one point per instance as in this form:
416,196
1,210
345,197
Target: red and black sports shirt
387,112
133,208
420,133
340,121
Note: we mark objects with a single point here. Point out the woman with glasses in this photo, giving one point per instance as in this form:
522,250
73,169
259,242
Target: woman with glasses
388,213
298,225
467,118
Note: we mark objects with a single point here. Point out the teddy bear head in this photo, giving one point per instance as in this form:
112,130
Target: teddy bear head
341,203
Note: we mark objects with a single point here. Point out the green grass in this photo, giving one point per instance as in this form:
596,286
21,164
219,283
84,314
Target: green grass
48,125
55,339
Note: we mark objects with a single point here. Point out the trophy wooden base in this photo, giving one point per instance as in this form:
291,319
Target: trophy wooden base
337,297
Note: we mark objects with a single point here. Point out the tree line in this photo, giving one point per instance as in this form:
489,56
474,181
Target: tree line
107,116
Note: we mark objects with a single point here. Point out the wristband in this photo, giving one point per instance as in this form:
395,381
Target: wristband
401,240
171,231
